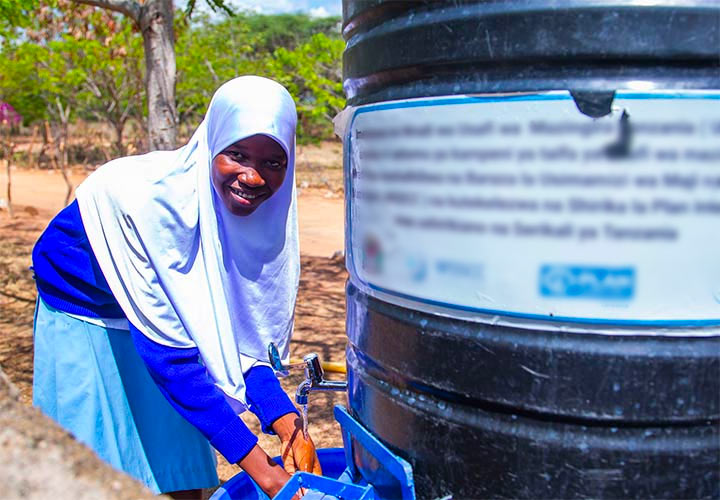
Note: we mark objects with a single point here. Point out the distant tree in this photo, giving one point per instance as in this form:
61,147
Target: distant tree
154,19
87,59
37,80
288,31
109,55
9,118
304,54
208,54
16,74
59,86
73,60
312,73
15,15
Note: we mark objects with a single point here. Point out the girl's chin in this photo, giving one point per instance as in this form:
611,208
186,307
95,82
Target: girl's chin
240,209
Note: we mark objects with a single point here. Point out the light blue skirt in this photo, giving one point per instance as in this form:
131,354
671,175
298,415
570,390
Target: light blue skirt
91,381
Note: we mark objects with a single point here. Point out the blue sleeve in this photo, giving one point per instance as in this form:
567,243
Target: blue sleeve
185,383
66,271
265,397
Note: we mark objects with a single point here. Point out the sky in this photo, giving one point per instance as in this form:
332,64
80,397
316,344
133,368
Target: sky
315,8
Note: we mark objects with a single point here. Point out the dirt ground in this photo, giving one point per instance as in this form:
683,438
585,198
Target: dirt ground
320,314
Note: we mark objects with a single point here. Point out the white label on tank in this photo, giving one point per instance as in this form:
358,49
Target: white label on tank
522,206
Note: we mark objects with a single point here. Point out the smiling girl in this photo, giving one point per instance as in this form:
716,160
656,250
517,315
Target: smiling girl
160,288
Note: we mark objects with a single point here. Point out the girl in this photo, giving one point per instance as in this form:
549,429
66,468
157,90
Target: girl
178,267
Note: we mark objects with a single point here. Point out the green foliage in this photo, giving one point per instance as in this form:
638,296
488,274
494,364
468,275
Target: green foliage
302,53
17,72
215,6
36,79
286,30
75,61
312,74
109,55
208,54
15,13
91,62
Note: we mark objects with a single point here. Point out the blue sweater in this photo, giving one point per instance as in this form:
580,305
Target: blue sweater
69,278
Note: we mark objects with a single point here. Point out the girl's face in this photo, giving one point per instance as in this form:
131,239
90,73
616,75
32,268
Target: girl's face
248,172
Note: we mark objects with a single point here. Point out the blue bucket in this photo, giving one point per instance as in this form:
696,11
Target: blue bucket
241,487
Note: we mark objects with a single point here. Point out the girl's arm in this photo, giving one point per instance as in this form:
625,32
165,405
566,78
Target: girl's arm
266,398
270,476
278,415
185,383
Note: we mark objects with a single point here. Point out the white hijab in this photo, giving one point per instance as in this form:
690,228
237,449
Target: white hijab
185,271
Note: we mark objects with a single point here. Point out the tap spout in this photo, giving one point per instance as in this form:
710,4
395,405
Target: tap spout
314,380
301,394
307,386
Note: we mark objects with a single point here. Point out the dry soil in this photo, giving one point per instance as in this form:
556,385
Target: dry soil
320,314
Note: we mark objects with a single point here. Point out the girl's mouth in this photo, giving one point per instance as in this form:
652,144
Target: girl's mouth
244,195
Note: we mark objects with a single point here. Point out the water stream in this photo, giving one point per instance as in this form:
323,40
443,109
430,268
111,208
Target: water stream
305,420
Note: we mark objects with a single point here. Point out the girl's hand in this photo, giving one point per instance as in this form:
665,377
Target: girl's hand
298,453
265,472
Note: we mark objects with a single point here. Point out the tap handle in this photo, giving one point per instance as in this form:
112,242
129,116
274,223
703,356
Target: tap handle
276,362
311,363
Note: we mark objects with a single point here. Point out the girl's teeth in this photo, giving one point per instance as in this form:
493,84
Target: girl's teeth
243,194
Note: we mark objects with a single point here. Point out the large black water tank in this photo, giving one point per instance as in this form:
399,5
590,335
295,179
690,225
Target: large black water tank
536,365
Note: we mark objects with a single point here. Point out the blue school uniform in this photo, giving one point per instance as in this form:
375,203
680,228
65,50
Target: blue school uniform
147,409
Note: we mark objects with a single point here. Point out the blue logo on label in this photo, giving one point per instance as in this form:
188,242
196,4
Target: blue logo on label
582,282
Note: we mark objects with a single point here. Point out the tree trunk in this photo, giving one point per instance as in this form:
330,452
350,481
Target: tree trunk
119,137
61,166
156,25
105,150
31,146
64,139
9,150
155,19
9,190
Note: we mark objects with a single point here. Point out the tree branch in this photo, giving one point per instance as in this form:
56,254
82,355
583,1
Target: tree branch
211,70
128,7
92,86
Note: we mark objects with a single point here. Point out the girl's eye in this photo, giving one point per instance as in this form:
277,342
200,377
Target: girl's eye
236,155
274,165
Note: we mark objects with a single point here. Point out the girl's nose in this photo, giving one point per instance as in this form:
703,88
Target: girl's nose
251,177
